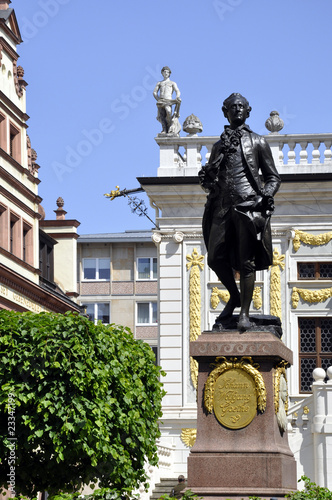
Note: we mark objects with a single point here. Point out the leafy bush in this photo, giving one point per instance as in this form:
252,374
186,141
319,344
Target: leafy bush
85,400
187,495
311,491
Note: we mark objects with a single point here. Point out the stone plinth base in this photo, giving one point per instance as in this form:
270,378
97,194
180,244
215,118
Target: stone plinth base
251,461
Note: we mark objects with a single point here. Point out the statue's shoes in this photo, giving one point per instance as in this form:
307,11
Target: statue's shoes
244,323
228,310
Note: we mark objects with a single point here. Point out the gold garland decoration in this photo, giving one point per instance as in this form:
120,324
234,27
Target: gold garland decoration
246,364
280,370
188,436
311,296
195,264
275,283
217,295
257,297
310,239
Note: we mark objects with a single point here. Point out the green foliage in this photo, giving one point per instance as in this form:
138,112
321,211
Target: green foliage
187,495
87,399
101,494
311,491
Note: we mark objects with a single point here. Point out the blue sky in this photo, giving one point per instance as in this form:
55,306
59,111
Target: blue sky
92,66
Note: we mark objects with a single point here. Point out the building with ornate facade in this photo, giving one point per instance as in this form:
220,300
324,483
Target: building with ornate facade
120,273
31,248
297,288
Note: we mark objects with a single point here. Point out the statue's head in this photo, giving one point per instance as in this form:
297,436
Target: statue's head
165,68
236,109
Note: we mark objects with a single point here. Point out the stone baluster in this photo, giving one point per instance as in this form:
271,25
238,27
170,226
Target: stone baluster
304,153
208,153
281,154
291,153
274,145
199,156
315,153
193,158
328,152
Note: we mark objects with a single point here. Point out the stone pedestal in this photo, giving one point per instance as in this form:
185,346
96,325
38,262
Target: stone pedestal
252,461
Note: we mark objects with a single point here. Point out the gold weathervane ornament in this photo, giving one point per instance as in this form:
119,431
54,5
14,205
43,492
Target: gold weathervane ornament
137,206
113,194
235,391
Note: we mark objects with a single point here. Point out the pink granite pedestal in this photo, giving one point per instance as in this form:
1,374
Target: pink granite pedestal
255,460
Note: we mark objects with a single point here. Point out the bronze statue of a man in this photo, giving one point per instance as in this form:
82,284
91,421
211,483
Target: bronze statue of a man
236,221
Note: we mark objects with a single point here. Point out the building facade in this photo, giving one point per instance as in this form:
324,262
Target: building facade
297,288
167,269
30,280
117,281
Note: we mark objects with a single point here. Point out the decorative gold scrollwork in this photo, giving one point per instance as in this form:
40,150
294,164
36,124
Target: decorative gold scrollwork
194,371
311,296
188,437
275,283
246,364
217,295
280,371
310,239
281,395
257,297
195,264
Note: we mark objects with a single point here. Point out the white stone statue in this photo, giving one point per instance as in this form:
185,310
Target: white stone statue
163,93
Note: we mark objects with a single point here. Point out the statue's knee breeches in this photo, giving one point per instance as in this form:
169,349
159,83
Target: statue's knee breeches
247,268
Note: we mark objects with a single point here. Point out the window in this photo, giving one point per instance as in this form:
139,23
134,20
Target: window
147,268
155,352
3,227
46,256
314,270
3,133
14,235
98,312
147,313
96,269
15,143
27,243
315,338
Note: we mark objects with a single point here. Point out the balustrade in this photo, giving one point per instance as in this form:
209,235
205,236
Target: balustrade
293,153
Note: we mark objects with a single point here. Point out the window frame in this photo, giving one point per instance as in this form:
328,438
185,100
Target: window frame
3,132
318,355
27,243
151,313
97,269
15,235
4,227
14,142
316,276
95,305
151,263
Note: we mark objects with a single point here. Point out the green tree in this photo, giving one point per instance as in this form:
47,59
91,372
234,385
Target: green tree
85,400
